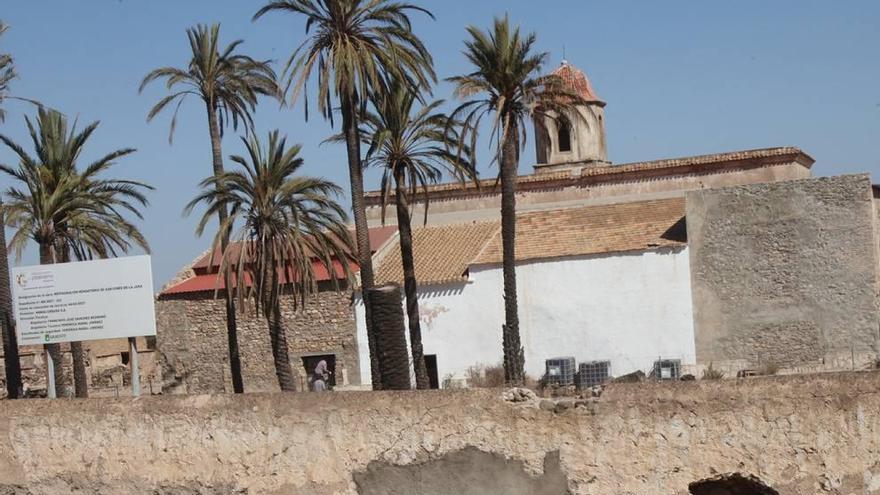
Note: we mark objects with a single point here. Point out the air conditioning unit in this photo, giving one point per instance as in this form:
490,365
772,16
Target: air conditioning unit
667,369
560,371
593,373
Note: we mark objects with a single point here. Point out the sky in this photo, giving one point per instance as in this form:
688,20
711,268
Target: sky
679,78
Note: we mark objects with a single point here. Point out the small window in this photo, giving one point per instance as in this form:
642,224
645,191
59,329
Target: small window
564,137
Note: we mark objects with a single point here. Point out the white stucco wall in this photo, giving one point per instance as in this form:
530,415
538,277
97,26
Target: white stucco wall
630,309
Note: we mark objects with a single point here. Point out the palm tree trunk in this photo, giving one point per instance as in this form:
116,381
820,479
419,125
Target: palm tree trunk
391,335
362,233
80,380
513,351
222,214
47,257
272,312
409,283
10,343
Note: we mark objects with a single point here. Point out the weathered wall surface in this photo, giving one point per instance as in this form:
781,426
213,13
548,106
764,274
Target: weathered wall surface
801,435
629,308
191,338
785,272
487,204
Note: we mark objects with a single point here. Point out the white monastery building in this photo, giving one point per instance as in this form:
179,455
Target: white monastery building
603,268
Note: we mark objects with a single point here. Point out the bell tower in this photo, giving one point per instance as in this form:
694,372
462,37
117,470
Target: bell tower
572,142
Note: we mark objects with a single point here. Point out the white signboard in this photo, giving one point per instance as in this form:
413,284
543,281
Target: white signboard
86,300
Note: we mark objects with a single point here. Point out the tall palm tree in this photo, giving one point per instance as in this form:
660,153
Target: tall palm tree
413,146
63,209
506,84
228,83
355,46
10,344
286,222
11,360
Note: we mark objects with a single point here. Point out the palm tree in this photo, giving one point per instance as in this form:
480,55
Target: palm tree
506,84
7,73
12,363
228,83
287,221
10,344
412,145
355,46
64,210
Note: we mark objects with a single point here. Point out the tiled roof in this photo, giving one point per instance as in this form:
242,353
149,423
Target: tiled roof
577,81
593,230
627,171
441,253
378,237
202,276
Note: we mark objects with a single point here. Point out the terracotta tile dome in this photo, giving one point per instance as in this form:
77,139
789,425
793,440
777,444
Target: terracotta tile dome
577,81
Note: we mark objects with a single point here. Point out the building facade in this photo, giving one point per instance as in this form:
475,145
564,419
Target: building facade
741,260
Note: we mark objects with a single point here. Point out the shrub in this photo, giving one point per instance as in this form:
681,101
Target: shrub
711,373
485,376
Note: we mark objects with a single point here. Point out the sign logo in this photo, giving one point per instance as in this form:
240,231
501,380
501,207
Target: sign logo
21,280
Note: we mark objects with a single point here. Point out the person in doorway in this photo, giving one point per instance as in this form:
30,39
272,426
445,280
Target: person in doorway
320,377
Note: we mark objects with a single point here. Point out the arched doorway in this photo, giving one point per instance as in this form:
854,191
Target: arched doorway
731,484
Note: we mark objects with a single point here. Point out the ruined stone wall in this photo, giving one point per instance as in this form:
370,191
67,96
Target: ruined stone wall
800,435
108,368
193,343
785,274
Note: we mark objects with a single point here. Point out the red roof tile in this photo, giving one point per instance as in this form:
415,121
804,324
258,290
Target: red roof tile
204,275
577,81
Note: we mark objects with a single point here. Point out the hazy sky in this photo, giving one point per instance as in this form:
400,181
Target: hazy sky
680,78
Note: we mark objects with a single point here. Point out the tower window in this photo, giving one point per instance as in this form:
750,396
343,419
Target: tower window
564,137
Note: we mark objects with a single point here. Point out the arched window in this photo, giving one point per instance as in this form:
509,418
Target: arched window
563,136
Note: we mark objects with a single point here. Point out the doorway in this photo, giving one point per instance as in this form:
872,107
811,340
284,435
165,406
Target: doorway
431,366
310,362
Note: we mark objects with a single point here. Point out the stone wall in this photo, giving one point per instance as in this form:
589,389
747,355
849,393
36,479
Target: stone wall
193,344
800,435
107,367
785,274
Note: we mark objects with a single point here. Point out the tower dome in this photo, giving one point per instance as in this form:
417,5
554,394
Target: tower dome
577,82
577,140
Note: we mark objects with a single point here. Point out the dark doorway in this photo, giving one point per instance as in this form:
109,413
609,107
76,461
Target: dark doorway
731,484
431,365
310,362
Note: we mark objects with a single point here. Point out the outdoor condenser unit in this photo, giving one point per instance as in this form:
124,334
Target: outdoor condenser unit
593,373
560,371
667,369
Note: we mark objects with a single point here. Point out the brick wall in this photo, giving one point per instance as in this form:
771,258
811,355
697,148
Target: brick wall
193,345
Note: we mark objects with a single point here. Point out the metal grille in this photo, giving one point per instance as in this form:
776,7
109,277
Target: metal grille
560,371
667,369
593,373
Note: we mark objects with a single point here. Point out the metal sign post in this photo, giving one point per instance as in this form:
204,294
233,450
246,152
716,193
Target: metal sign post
50,374
135,368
